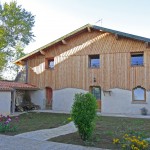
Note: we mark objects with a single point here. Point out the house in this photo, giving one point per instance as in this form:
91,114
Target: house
114,66
11,94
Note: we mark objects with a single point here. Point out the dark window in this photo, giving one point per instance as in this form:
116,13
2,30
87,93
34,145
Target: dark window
94,61
137,59
96,91
139,94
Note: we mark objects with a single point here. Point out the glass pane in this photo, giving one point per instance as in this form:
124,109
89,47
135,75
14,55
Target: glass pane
51,64
94,61
137,59
139,94
96,92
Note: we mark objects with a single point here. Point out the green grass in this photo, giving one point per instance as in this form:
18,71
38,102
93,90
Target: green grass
108,128
35,121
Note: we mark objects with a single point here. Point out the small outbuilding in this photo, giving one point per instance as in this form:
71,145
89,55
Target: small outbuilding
11,94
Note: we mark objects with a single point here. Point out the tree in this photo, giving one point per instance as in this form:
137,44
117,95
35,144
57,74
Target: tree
15,29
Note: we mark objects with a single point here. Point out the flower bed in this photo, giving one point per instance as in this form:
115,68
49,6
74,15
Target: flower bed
8,124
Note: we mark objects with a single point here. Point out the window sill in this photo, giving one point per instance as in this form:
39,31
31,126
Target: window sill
94,67
139,102
49,68
137,65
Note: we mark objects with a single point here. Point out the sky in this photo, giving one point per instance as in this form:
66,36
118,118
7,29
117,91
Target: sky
55,18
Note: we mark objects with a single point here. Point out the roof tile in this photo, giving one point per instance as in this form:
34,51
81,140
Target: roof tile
9,85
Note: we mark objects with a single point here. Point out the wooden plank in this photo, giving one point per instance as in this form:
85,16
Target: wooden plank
72,70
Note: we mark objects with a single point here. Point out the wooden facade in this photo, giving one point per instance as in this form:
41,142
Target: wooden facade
71,63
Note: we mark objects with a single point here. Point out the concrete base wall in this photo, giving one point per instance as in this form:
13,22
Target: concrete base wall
38,98
120,102
5,102
64,98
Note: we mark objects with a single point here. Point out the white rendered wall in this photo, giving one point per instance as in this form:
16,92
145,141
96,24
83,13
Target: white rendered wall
64,98
38,98
120,102
5,102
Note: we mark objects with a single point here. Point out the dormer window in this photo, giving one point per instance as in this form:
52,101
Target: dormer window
137,59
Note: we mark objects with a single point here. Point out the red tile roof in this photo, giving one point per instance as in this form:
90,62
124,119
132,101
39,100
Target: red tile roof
9,85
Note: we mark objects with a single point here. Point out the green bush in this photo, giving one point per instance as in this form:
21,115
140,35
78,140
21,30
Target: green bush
84,114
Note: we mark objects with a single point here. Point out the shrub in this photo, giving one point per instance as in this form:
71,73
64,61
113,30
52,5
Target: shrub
84,114
8,124
131,142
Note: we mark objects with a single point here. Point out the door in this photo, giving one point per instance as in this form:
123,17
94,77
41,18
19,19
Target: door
49,95
96,91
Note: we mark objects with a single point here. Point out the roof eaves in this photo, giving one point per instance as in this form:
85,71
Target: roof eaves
54,42
140,38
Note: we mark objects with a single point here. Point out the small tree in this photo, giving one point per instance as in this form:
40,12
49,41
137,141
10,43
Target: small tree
84,114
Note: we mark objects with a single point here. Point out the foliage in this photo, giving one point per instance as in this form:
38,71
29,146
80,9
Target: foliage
84,114
132,142
15,29
7,124
17,24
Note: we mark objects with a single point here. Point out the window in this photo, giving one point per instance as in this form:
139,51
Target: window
49,63
137,59
96,91
94,61
139,94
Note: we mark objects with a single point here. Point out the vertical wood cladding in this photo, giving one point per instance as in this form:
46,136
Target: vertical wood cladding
71,63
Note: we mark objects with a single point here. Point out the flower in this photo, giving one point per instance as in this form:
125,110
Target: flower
9,119
69,119
131,142
116,141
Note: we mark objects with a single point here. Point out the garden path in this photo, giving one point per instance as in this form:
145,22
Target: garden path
45,134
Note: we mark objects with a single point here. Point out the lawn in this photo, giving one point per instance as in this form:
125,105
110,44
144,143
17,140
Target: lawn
35,121
108,128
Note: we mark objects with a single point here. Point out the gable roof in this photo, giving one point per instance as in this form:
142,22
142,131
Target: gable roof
132,36
94,27
9,85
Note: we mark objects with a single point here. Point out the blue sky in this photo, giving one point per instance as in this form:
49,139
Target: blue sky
55,18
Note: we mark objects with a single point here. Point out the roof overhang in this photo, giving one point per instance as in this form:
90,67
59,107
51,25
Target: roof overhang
87,27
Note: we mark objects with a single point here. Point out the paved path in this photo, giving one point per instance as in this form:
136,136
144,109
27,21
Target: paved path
19,143
43,135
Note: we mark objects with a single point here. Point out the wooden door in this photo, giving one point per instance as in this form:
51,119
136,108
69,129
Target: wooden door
49,95
96,91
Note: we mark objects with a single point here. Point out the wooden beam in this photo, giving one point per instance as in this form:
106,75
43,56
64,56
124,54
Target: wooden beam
13,101
64,42
89,29
42,52
147,44
21,63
